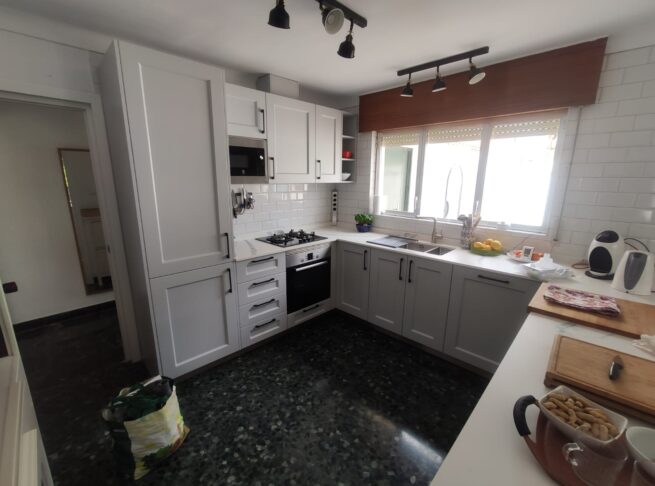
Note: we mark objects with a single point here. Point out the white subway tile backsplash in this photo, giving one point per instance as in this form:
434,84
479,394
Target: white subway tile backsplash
620,92
642,230
618,199
614,154
645,201
641,154
645,72
608,185
629,58
631,139
645,122
648,89
633,215
599,110
614,124
636,107
610,77
623,170
637,185
593,140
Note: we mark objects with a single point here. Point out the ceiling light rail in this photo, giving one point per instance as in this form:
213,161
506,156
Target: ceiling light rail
475,74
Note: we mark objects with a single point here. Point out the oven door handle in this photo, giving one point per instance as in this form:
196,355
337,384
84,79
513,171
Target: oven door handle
302,269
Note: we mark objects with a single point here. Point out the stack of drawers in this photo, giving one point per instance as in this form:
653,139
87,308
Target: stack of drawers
262,294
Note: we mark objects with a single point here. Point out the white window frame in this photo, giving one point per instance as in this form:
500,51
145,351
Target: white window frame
487,126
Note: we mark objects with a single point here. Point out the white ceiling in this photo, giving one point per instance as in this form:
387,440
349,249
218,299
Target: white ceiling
400,33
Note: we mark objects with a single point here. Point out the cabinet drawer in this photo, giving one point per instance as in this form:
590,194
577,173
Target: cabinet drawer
262,309
260,331
262,288
310,312
261,267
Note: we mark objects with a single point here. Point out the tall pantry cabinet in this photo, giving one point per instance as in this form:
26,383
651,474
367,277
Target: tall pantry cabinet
168,139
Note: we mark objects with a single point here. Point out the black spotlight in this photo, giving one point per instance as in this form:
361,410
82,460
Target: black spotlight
475,74
279,17
439,84
407,91
347,48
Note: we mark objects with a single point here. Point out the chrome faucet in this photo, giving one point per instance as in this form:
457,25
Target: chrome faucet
435,236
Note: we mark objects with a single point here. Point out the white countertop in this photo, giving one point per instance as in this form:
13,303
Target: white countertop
489,450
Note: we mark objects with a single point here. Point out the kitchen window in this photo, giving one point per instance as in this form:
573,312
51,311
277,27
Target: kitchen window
502,166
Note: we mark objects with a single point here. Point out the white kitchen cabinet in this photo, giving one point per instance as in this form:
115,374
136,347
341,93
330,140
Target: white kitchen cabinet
486,311
291,126
387,289
166,125
176,115
329,133
426,302
196,317
246,111
353,264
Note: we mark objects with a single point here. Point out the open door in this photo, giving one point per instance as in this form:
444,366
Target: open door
22,458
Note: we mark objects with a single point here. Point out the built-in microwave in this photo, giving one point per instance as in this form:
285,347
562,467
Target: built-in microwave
248,160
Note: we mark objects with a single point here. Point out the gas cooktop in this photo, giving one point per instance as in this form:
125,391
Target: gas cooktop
291,238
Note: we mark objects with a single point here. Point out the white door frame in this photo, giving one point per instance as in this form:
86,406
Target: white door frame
91,105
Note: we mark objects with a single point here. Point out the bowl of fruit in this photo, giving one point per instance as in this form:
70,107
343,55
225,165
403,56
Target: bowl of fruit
487,247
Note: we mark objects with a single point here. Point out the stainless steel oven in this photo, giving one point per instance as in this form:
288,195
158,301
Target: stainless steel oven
248,160
308,276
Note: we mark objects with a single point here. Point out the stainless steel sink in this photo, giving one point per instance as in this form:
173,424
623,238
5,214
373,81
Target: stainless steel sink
427,248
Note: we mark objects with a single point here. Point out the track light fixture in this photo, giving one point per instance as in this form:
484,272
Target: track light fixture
439,84
407,91
332,19
333,15
347,48
278,17
475,74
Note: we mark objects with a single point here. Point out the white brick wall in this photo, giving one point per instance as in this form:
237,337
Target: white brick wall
611,181
283,207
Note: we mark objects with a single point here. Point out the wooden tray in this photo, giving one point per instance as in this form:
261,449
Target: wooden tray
546,446
635,318
585,366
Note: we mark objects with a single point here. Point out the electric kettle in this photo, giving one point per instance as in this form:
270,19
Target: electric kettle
634,274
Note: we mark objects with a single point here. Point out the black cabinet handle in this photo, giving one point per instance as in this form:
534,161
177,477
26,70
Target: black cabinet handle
409,272
257,284
365,253
311,308
263,130
229,274
483,277
227,240
266,323
272,159
400,269
263,259
256,306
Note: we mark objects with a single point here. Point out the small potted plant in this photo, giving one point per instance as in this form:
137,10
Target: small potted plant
364,221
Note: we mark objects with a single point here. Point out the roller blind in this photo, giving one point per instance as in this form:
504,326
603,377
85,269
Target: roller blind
528,128
399,138
454,134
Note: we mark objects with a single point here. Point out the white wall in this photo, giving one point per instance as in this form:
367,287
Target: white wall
37,243
611,178
284,207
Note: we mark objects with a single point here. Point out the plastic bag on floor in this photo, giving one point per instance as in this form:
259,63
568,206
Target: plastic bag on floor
145,424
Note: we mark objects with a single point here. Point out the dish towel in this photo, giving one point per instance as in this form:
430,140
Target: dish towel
646,343
585,301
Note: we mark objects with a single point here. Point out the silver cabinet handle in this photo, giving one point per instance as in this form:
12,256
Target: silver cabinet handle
318,163
302,269
265,323
263,113
272,159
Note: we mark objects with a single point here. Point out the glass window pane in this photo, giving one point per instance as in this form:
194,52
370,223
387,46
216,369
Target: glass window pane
519,168
398,166
450,172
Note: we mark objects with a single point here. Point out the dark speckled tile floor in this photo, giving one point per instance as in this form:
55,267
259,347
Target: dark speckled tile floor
331,402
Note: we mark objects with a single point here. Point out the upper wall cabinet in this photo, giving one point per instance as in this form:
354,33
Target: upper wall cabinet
329,132
246,111
179,156
291,139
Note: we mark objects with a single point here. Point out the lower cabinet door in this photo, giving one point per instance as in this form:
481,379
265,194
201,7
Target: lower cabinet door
196,318
486,311
353,264
426,302
387,289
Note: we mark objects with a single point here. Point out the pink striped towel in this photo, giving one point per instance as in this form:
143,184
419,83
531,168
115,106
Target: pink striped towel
585,301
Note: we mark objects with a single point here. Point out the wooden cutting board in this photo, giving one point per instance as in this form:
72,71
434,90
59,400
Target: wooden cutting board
635,318
585,366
